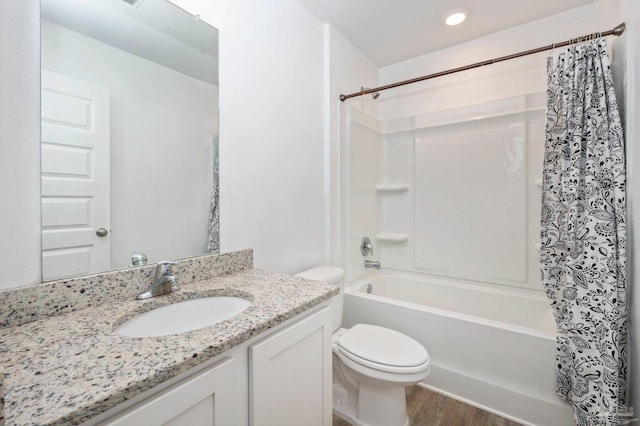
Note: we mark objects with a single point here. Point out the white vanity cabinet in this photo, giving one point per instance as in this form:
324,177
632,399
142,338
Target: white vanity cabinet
290,375
204,399
281,377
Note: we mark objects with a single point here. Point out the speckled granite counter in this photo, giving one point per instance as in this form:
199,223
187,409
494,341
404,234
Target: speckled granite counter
68,368
25,304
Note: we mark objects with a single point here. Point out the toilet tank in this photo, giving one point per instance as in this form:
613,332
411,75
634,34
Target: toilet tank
332,275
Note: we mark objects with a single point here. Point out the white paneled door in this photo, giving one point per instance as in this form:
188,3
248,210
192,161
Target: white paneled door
75,177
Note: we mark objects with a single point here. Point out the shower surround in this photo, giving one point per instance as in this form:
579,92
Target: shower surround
453,193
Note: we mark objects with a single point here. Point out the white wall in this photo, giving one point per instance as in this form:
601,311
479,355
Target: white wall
162,126
271,129
20,143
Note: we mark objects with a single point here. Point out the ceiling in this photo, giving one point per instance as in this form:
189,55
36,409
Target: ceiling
390,31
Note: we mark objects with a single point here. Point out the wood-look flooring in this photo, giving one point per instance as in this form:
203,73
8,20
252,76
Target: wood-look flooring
428,408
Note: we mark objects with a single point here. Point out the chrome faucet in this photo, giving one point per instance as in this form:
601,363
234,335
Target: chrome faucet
371,264
163,281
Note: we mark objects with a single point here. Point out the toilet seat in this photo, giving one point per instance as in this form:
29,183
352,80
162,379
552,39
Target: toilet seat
382,349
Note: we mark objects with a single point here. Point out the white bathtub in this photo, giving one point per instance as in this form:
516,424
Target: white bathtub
491,347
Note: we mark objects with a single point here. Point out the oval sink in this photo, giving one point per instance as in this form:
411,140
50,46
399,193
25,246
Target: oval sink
183,316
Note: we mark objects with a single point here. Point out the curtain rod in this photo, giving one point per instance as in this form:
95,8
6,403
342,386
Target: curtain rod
617,31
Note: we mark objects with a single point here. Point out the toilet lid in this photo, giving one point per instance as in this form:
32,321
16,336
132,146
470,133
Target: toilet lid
329,274
383,347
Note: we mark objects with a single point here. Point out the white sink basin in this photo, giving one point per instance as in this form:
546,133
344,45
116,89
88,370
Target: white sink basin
183,316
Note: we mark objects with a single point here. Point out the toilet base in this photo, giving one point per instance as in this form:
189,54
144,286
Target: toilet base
370,406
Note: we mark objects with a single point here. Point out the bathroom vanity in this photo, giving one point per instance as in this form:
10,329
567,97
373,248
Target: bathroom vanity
269,365
287,370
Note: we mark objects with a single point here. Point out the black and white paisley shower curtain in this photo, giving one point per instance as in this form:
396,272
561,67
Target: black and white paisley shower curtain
584,233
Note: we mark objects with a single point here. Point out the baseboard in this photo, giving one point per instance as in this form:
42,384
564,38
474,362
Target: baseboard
508,403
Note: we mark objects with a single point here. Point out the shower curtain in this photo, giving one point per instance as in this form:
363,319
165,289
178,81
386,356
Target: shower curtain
583,234
213,239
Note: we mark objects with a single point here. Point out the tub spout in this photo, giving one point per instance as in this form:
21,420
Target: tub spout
371,264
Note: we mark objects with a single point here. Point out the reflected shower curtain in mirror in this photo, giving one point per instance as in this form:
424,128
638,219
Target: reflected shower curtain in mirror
583,233
213,240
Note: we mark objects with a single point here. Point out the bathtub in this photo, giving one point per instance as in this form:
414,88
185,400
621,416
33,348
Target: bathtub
491,346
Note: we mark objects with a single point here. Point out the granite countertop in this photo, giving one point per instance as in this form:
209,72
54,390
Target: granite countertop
66,369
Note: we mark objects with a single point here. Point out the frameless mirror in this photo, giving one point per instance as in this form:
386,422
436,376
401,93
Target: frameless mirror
129,135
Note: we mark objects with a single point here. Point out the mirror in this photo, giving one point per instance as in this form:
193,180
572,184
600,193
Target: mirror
129,135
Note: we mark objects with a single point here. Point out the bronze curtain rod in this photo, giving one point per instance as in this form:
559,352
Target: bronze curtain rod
617,31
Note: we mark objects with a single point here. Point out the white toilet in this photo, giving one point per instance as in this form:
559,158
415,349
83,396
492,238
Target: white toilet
371,365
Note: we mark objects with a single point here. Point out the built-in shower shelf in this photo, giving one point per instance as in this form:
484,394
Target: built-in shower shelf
392,237
392,187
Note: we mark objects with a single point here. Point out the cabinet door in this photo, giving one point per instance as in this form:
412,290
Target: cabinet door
205,399
290,375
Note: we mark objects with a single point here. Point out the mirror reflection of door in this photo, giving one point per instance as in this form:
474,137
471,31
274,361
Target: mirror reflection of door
75,177
149,189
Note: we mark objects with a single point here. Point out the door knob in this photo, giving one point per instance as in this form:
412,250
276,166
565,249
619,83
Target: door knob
101,232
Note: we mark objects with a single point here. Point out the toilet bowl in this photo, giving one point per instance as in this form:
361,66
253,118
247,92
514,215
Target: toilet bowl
371,365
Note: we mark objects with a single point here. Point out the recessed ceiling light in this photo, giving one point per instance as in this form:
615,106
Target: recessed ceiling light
455,17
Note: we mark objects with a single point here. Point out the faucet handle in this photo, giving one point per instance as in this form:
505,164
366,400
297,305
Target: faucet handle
164,267
366,248
138,259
